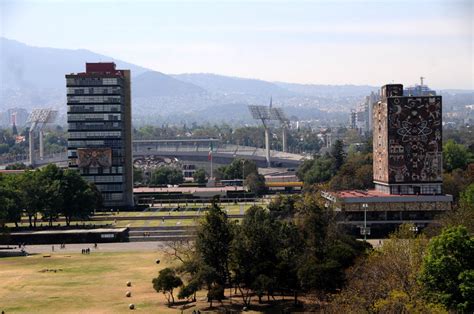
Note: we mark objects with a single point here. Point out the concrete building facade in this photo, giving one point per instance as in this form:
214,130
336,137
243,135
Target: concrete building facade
99,128
407,143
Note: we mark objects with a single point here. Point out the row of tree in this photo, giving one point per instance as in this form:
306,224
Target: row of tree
293,246
166,175
49,192
411,273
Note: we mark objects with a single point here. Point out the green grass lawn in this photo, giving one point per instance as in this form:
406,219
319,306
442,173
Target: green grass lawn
108,218
94,283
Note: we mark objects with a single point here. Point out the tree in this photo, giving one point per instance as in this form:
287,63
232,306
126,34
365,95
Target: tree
467,197
166,282
328,250
455,182
18,166
167,175
254,254
213,242
80,198
14,204
322,170
138,176
199,176
455,156
237,169
283,206
338,154
387,280
448,269
355,173
33,193
256,183
291,246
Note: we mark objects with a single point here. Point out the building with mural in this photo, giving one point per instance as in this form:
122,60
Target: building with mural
99,131
407,164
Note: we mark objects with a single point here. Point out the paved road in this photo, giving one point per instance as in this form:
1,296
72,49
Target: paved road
102,247
150,246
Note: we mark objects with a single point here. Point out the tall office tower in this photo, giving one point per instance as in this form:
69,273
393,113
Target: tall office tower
99,126
407,143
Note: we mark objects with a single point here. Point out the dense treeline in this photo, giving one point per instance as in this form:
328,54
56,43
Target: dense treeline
300,140
55,141
294,248
264,255
48,192
340,170
412,274
343,169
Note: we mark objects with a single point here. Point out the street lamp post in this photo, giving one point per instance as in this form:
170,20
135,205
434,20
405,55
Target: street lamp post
365,206
243,177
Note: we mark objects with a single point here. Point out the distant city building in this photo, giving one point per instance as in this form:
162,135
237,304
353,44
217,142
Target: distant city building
99,126
361,117
419,90
407,143
17,116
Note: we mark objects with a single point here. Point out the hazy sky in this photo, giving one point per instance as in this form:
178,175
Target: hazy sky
322,42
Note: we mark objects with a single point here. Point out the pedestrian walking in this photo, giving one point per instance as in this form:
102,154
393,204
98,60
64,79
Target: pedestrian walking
52,248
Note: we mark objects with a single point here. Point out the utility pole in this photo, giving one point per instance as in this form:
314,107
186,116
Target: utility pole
364,206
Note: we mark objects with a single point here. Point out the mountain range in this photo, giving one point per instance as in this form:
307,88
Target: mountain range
32,77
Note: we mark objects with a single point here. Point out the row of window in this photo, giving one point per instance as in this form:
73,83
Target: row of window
95,134
87,143
94,99
94,116
93,90
94,126
112,196
78,81
110,170
110,187
104,178
93,108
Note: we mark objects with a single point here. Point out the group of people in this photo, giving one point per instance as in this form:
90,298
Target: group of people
146,234
61,246
88,250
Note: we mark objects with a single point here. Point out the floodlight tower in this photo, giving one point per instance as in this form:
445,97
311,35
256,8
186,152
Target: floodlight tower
279,114
263,113
38,120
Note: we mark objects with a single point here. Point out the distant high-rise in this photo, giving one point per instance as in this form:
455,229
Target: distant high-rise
99,126
407,143
361,116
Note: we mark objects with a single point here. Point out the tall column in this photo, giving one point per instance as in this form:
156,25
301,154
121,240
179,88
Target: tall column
41,145
31,138
285,149
267,146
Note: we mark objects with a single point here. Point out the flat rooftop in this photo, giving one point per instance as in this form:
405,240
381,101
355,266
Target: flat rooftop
374,196
74,231
193,189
